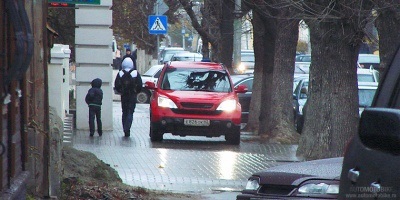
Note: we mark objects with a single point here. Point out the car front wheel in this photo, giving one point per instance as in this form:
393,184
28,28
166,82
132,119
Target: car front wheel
143,96
155,134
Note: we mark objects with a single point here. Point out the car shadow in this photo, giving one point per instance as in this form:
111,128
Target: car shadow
194,143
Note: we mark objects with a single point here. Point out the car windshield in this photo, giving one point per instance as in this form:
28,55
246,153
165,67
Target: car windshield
189,79
365,97
151,71
168,54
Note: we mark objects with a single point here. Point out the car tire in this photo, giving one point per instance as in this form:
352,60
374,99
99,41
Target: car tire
233,137
143,96
155,134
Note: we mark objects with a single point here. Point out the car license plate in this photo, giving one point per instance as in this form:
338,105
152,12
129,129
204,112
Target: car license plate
196,122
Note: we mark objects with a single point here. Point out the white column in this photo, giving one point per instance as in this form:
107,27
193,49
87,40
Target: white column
58,79
93,52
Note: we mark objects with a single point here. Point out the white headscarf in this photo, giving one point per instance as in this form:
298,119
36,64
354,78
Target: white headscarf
127,65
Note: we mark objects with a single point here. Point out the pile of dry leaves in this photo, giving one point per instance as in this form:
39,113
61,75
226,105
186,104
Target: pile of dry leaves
87,177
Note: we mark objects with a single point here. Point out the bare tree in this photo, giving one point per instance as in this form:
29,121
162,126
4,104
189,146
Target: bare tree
216,27
331,114
130,19
275,39
202,24
388,25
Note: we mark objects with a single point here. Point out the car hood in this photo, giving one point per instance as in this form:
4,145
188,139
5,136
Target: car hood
296,173
198,96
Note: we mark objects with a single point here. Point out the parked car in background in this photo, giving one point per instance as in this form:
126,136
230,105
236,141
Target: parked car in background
302,63
244,98
367,75
197,99
367,61
297,78
303,58
366,93
300,95
168,52
302,180
152,75
247,61
187,56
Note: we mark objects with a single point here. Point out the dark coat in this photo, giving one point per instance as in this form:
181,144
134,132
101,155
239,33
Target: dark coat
95,94
134,90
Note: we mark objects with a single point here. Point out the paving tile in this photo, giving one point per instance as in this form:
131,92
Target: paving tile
179,164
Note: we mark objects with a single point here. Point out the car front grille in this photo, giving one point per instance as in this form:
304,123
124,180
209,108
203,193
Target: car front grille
276,189
196,112
196,105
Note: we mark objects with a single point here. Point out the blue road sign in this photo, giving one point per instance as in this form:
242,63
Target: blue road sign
158,24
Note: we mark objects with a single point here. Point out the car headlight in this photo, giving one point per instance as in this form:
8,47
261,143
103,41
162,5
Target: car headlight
166,102
320,188
253,183
227,105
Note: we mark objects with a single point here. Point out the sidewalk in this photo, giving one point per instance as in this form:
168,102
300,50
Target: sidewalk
180,164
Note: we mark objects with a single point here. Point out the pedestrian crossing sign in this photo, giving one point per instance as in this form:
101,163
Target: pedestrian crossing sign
158,24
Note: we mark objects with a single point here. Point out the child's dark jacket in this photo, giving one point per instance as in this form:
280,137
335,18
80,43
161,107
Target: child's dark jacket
94,96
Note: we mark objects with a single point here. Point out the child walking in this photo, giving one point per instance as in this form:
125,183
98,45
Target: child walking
94,99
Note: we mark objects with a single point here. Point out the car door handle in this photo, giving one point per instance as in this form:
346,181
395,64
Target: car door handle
353,174
376,187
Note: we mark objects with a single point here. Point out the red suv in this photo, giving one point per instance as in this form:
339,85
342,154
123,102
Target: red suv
197,99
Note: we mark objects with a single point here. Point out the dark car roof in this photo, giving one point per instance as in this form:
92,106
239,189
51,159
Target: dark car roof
189,64
289,174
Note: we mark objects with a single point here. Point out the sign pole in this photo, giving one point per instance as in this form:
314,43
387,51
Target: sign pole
158,38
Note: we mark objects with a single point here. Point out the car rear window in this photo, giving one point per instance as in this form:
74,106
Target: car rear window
190,79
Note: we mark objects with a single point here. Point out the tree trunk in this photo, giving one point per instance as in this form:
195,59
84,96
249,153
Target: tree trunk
268,48
263,46
226,46
213,17
389,38
281,127
331,114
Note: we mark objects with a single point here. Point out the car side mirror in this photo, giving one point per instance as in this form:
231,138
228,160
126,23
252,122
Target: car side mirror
150,85
241,89
380,129
294,97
